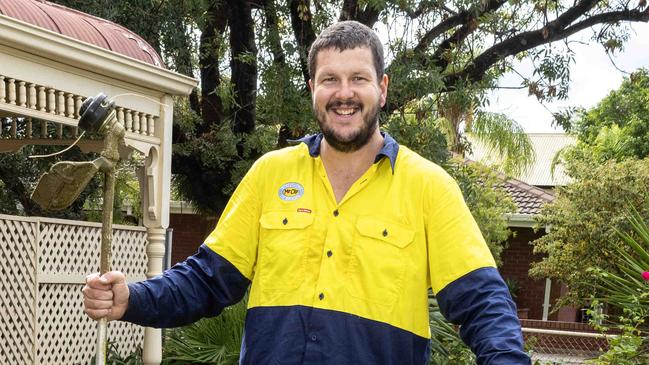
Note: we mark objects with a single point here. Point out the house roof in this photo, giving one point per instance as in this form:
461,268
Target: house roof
528,199
81,26
546,146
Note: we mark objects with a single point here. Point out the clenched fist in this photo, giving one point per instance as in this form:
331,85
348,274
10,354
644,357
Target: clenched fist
105,296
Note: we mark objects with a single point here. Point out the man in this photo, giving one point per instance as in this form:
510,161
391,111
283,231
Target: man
339,239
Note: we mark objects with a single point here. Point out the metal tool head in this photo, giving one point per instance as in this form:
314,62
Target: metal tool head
95,112
62,184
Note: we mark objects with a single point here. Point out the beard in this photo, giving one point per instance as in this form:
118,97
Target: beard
358,139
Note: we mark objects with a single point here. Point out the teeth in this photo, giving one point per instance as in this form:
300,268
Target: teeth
345,111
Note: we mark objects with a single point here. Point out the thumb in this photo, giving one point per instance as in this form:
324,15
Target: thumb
113,277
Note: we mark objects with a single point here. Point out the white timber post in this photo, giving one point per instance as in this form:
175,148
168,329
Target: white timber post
155,188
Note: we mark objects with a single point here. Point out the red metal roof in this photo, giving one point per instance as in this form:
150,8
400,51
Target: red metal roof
81,26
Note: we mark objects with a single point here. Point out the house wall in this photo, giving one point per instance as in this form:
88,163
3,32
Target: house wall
516,264
189,232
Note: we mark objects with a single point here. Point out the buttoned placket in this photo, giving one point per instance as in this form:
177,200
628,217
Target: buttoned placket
336,212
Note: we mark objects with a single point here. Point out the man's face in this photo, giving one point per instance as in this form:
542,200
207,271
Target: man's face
347,97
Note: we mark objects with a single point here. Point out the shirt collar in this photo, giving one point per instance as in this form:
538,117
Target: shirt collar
390,147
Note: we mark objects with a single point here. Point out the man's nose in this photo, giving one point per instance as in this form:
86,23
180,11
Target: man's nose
345,90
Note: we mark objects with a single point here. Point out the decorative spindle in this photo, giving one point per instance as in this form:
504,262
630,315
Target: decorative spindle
51,101
59,130
12,91
3,90
29,127
31,96
78,100
22,94
43,129
136,122
69,105
129,121
60,105
120,115
151,123
42,101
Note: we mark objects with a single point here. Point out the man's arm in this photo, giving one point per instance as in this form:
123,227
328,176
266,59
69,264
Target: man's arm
217,276
481,304
464,277
201,286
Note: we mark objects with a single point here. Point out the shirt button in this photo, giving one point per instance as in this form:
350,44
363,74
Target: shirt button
385,233
329,253
321,296
313,338
285,221
336,213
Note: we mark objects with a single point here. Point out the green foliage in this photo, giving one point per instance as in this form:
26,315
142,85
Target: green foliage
618,127
506,138
446,346
214,340
487,200
625,290
113,357
585,218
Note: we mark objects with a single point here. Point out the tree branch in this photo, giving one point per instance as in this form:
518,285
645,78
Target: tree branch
303,31
12,182
209,58
528,40
244,66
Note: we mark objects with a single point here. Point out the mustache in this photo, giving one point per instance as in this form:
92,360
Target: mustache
344,104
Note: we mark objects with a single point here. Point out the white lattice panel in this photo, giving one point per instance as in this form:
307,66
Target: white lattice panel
68,249
17,291
44,263
66,335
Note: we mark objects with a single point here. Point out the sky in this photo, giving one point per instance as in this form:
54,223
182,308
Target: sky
593,76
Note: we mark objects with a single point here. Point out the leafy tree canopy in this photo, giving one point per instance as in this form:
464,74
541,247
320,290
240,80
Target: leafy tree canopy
584,220
250,57
618,127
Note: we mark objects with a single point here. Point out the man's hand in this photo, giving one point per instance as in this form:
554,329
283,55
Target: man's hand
105,296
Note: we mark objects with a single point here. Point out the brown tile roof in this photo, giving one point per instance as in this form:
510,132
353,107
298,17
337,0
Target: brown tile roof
81,26
528,199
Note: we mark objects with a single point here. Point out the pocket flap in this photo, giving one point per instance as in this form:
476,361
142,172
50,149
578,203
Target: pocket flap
386,231
285,220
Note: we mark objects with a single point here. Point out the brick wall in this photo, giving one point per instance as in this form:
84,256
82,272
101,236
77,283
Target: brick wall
516,264
189,232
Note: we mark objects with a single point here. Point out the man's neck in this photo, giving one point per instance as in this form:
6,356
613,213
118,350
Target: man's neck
344,168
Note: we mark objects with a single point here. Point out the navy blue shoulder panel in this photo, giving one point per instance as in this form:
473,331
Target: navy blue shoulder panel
305,335
201,286
481,304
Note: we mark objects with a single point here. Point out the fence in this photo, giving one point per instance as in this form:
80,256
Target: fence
43,264
563,343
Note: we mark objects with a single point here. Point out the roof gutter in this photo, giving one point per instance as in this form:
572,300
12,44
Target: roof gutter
521,220
63,49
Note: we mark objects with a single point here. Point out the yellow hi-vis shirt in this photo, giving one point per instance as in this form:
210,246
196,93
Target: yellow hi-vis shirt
395,233
341,283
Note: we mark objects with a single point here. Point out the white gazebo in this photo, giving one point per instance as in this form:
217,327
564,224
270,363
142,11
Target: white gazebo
51,59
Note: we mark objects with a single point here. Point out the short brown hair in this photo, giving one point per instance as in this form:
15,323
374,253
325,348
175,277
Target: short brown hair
346,35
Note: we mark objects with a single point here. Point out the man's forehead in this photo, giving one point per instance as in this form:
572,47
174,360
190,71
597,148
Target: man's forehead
334,57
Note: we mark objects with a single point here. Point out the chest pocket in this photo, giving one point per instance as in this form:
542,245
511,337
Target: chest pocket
379,260
283,240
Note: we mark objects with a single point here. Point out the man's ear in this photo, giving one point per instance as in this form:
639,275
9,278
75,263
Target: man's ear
310,85
384,89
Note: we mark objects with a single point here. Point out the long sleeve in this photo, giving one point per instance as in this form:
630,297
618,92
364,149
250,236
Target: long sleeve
201,286
464,277
481,304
